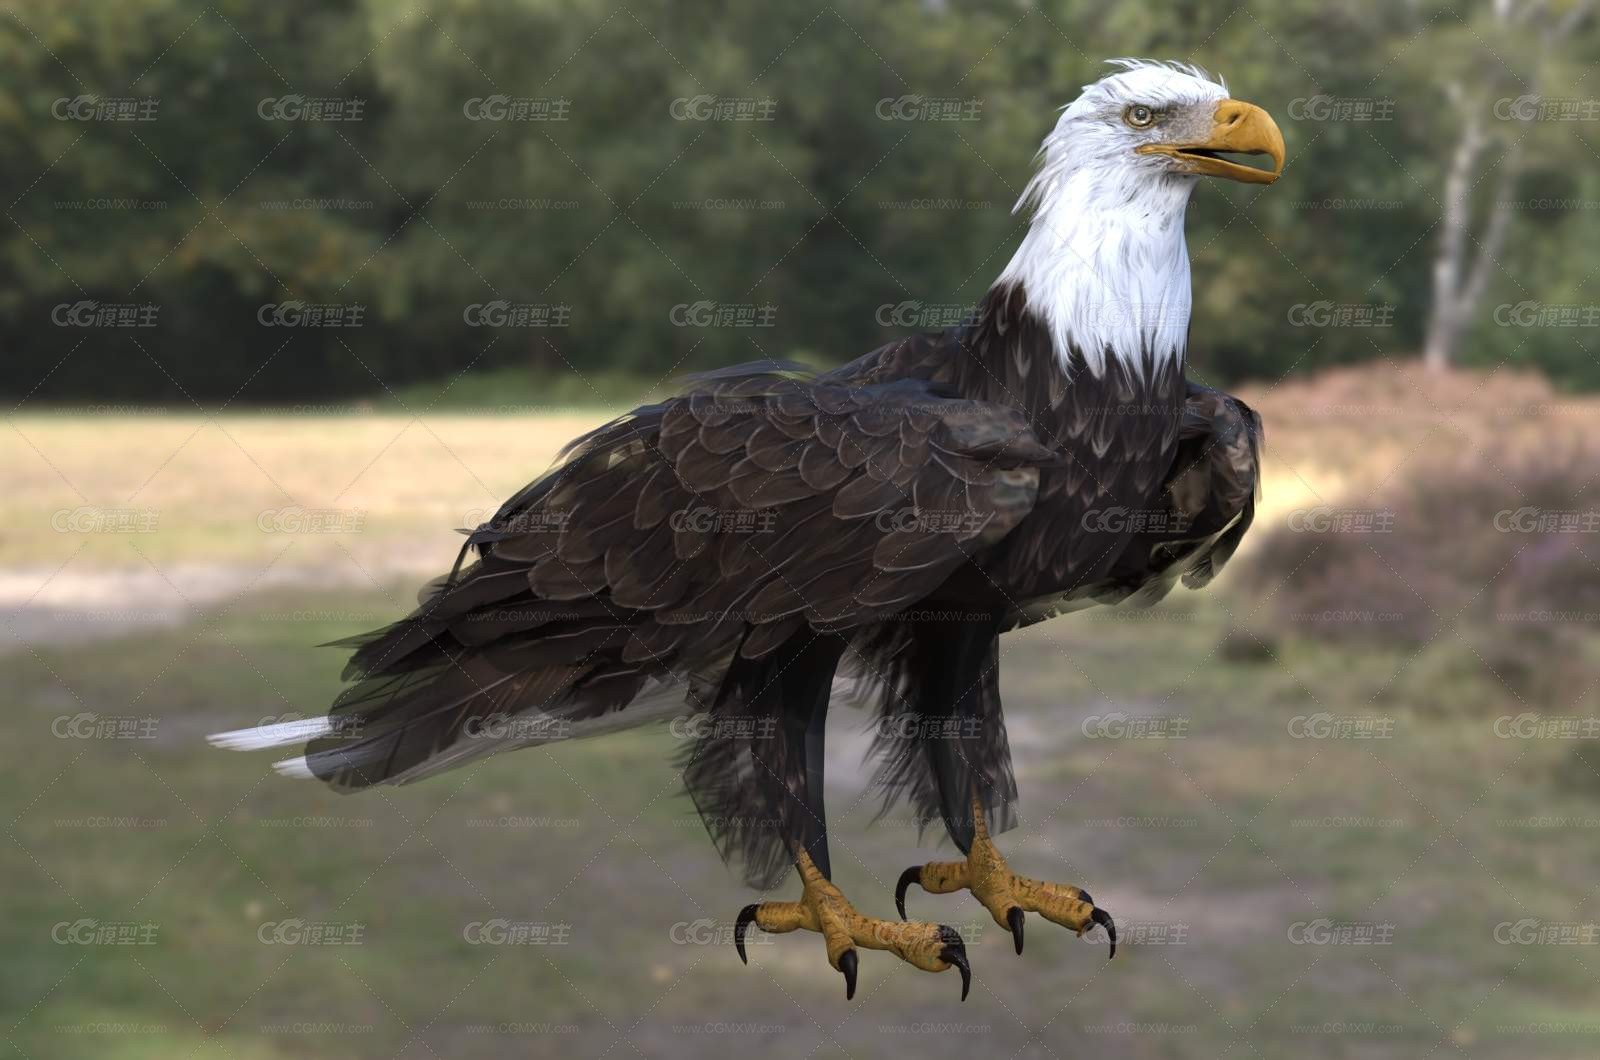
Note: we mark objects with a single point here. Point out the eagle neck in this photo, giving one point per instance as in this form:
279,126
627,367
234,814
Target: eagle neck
1106,271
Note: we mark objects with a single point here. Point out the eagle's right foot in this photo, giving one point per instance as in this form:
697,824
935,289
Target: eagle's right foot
824,909
1005,894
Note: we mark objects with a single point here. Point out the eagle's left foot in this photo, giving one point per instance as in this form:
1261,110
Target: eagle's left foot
1005,894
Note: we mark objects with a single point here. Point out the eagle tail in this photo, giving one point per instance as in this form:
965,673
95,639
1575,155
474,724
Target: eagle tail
438,690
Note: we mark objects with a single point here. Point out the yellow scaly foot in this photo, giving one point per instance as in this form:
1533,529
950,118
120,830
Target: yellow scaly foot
1005,894
824,909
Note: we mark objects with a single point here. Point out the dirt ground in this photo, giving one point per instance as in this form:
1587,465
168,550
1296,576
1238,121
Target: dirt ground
1280,892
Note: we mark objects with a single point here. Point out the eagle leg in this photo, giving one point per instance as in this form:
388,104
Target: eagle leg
824,909
1005,894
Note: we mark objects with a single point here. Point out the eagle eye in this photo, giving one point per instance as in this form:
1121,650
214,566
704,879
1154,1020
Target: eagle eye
1139,116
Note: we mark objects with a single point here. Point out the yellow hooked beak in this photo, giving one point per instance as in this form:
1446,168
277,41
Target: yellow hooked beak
1237,128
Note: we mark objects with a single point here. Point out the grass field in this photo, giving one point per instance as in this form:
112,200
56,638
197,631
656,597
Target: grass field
1317,860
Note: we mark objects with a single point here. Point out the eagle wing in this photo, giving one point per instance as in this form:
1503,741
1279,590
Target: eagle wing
1205,506
672,541
763,501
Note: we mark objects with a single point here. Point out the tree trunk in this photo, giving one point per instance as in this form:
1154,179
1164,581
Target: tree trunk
1457,290
1446,321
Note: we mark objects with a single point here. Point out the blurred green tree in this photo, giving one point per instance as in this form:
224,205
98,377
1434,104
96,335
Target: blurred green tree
541,187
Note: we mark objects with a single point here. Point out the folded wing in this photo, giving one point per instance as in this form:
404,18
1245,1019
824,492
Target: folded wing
759,506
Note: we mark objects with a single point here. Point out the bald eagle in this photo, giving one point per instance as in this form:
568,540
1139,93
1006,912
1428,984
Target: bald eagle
724,555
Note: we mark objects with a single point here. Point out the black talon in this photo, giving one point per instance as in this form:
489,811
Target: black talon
907,878
747,916
1103,918
1015,919
847,965
955,952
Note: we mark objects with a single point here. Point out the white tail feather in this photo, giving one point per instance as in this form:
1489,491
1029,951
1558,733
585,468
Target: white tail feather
297,768
260,737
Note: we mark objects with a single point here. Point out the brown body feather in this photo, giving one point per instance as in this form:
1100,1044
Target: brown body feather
692,546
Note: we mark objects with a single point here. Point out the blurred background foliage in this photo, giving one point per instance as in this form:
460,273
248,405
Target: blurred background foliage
827,211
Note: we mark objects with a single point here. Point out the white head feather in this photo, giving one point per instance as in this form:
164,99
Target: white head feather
1104,262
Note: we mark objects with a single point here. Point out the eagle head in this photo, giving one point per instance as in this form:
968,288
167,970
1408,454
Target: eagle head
1169,121
1104,262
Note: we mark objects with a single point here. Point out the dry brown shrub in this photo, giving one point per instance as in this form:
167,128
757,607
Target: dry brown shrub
1486,543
